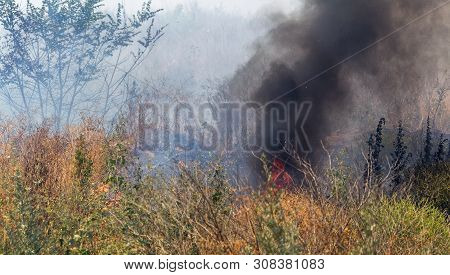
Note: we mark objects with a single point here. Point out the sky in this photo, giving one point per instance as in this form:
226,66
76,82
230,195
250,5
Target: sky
244,7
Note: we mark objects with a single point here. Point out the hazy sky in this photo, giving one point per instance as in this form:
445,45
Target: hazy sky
241,6
244,7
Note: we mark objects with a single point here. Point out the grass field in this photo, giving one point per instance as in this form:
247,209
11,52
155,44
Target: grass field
80,192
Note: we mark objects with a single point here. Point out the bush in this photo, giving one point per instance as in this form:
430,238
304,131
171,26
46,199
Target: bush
186,214
432,184
276,231
75,193
402,227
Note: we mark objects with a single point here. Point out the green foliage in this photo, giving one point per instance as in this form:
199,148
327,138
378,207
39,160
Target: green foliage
374,165
448,152
400,157
439,156
275,235
428,146
432,183
378,146
83,165
115,164
26,235
222,194
341,177
369,165
402,227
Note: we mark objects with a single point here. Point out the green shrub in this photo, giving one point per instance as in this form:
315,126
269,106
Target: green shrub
275,233
432,183
402,227
24,228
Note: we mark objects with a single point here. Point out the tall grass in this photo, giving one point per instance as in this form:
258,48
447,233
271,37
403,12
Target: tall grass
81,192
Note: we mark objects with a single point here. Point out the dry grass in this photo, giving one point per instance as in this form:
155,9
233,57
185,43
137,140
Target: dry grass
71,193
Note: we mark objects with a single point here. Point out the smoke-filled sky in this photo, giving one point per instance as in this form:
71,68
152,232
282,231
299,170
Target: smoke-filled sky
208,41
312,58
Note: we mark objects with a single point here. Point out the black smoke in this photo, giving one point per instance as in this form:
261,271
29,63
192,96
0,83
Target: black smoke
397,48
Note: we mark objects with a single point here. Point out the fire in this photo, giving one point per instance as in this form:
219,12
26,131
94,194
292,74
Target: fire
280,179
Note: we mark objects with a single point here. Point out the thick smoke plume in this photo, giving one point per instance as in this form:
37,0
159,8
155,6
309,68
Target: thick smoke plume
323,33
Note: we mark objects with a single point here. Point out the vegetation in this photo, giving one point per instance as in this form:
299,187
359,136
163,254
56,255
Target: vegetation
81,192
63,57
71,187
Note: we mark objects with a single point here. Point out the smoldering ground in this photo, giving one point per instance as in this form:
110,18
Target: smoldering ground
341,54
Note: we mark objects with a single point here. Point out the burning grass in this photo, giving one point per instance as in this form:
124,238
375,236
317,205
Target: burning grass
79,192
